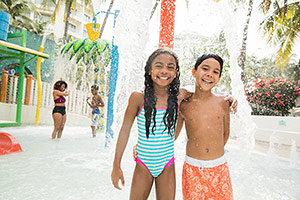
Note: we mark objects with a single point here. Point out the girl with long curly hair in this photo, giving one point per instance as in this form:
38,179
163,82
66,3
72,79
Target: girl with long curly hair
59,110
156,110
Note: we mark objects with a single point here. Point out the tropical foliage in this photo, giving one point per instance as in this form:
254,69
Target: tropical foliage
282,27
272,96
69,5
19,15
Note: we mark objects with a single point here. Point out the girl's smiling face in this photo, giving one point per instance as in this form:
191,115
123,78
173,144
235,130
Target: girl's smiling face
62,87
163,69
207,74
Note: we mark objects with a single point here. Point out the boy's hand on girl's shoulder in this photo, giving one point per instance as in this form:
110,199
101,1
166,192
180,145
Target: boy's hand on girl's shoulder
233,103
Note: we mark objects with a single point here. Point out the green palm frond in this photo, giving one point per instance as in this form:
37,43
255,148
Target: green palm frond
282,28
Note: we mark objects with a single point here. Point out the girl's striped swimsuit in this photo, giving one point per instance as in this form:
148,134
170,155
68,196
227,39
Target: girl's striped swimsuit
157,151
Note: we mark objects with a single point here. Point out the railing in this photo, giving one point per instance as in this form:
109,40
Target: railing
76,101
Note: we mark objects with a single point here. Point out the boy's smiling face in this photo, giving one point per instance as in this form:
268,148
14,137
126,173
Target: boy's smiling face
207,74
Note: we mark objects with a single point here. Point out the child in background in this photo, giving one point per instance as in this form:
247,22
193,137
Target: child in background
95,103
207,121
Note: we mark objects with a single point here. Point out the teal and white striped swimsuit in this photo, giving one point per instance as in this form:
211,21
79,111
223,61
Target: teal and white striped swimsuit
157,151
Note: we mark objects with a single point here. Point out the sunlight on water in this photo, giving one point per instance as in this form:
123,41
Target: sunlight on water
78,167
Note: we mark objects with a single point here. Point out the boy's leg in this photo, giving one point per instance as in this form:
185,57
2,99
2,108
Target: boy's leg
165,183
93,131
94,123
141,184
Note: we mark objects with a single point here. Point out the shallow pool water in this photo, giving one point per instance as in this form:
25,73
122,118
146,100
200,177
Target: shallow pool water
78,167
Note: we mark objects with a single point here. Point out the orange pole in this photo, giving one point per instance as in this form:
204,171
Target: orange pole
4,80
167,20
28,89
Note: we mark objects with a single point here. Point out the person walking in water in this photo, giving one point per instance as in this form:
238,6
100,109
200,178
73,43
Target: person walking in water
59,111
95,102
205,172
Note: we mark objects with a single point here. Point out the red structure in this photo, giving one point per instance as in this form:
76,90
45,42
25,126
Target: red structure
8,144
167,19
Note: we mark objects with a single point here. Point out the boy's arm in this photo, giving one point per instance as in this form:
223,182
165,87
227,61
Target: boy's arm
232,102
130,114
226,122
184,94
179,125
100,101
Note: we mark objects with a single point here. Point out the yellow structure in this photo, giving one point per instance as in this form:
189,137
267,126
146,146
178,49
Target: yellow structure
38,77
93,31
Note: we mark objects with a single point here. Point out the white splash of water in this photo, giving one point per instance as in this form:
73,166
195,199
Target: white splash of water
131,37
243,115
48,30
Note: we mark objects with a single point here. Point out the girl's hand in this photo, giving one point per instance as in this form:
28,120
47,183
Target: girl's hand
134,152
116,176
233,103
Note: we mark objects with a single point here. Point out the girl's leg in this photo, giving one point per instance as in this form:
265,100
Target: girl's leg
62,125
141,184
165,184
57,118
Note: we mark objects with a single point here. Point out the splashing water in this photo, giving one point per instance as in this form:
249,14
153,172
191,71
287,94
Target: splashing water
243,115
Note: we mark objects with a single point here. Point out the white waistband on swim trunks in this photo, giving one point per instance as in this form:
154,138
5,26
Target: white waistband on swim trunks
205,163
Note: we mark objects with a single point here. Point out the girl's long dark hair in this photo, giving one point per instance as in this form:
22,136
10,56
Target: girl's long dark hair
59,83
170,117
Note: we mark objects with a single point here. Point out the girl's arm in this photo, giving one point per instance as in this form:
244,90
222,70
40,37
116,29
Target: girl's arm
226,122
135,102
60,93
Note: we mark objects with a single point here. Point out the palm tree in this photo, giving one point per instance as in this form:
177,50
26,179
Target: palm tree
282,27
19,11
69,5
244,40
106,17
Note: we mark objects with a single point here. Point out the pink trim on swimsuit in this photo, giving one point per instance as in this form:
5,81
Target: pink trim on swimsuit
170,162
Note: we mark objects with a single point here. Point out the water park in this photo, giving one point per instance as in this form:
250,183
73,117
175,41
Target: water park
261,71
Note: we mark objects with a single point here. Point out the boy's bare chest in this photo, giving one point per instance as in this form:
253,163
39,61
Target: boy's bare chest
202,111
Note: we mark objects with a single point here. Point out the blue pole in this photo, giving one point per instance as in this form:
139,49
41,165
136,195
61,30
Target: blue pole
111,94
112,85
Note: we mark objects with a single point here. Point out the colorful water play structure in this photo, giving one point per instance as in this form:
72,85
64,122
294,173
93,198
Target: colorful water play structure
8,144
95,49
15,51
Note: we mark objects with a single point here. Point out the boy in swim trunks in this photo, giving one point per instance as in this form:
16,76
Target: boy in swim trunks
205,171
95,103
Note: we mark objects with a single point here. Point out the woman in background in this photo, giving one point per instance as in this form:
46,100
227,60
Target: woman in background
59,111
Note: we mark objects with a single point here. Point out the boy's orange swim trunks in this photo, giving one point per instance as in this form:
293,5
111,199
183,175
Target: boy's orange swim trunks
209,180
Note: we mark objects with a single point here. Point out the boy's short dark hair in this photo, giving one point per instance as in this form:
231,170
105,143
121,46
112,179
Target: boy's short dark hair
95,87
207,56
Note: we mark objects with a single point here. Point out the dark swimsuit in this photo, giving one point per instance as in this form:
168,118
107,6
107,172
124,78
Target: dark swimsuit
59,109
